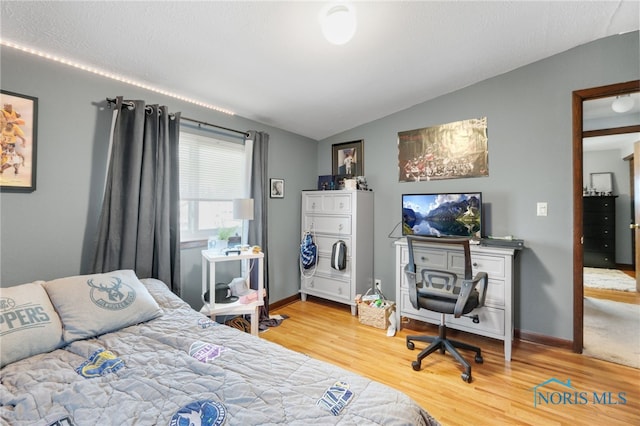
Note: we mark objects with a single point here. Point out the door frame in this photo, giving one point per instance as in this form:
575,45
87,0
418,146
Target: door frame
578,96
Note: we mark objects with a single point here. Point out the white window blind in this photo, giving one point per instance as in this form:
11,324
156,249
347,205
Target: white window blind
211,175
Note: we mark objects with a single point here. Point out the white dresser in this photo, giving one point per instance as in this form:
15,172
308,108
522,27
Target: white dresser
339,215
495,317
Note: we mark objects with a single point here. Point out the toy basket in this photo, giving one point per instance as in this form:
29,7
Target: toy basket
373,315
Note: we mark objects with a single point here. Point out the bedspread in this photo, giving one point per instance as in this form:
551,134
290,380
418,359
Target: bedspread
182,358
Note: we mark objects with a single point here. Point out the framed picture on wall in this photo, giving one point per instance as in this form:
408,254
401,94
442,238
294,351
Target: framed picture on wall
19,122
348,158
277,188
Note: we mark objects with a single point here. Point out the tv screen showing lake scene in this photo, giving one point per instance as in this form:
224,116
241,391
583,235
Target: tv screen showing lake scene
442,214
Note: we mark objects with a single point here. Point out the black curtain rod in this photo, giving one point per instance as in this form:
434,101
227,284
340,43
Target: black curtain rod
193,120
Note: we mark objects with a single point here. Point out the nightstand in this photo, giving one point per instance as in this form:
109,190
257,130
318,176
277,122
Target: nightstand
209,261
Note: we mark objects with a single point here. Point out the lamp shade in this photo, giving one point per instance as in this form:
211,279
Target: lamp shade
243,208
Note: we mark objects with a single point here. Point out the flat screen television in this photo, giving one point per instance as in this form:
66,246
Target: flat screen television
442,214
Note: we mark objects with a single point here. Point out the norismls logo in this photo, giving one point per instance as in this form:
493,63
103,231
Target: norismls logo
115,295
547,393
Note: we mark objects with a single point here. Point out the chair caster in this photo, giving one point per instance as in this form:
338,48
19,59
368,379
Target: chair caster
479,359
416,365
466,377
411,345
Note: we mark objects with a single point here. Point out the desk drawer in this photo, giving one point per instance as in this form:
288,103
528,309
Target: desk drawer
426,258
491,319
493,266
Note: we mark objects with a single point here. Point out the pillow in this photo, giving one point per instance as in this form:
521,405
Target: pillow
90,305
28,323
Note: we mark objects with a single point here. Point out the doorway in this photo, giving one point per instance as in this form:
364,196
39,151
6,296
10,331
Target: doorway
579,133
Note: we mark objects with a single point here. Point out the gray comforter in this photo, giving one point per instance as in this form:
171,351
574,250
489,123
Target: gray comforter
255,382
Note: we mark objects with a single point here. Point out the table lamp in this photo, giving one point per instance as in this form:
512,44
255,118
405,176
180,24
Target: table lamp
243,210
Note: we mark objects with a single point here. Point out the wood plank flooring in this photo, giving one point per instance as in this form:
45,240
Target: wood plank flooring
501,393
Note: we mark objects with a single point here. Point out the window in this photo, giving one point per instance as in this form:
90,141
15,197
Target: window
212,174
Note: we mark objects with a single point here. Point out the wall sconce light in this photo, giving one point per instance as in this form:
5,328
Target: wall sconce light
622,104
338,22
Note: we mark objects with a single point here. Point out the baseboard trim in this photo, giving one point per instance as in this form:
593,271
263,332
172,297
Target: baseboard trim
542,339
283,302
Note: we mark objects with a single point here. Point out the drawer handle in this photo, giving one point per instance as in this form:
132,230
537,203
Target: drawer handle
313,206
339,290
340,227
341,205
475,264
424,258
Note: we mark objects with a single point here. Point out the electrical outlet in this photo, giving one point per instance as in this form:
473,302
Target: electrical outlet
377,284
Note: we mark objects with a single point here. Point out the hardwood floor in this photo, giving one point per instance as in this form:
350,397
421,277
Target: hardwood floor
501,393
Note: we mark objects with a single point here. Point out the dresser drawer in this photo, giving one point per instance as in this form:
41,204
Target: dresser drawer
325,243
327,288
328,203
324,268
340,225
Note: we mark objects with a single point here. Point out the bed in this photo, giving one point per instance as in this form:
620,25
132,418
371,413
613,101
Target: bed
113,349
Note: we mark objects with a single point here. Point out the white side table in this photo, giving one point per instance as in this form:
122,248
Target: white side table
209,260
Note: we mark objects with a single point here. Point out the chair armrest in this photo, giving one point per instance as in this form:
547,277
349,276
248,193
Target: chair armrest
467,288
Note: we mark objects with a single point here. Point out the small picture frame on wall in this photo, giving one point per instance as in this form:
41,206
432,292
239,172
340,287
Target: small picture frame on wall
348,158
277,188
19,122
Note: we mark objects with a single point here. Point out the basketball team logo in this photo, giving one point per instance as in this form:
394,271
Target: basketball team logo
113,295
204,412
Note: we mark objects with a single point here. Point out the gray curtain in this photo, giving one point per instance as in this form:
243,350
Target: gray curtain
258,226
139,224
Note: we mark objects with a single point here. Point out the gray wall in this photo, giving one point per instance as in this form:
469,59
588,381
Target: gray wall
50,233
530,160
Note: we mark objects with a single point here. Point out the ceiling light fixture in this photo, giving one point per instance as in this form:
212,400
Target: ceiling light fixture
338,22
622,104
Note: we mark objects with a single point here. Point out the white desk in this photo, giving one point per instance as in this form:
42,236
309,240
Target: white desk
495,317
209,260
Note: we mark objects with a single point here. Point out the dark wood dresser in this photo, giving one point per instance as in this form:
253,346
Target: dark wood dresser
599,230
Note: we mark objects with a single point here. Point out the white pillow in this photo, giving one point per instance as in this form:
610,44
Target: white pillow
90,305
28,323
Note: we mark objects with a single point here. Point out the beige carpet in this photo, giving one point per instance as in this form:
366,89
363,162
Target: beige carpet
608,279
612,331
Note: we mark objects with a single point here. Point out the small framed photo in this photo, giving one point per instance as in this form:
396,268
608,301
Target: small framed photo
19,122
348,158
602,183
277,188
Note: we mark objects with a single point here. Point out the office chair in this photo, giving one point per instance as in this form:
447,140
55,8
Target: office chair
443,292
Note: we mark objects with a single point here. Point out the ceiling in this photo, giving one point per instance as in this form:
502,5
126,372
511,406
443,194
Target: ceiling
599,114
268,61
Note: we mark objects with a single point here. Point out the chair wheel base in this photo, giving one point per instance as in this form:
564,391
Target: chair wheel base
479,359
466,377
416,365
411,345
